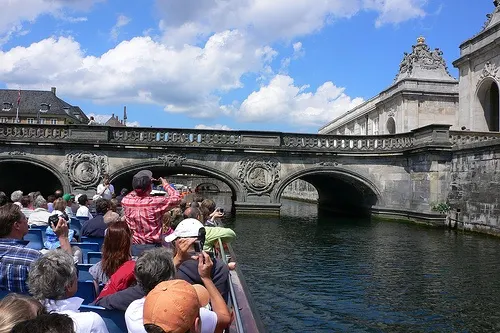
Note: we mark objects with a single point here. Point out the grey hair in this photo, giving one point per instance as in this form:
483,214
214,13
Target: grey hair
16,196
40,202
51,275
154,266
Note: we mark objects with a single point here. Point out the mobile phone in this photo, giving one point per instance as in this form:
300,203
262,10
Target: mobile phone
53,220
220,210
198,247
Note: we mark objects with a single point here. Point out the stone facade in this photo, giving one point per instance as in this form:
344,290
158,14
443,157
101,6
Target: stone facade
423,93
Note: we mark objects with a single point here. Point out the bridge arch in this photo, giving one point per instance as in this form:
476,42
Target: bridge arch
34,175
487,111
338,189
186,167
207,187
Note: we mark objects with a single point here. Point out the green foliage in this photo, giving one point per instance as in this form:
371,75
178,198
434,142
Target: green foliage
441,207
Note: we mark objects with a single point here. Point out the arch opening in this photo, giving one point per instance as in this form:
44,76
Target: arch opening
338,193
207,188
27,177
391,125
489,100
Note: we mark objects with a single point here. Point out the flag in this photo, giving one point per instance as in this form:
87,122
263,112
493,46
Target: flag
19,97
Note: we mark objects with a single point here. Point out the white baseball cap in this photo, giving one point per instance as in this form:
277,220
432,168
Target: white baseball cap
187,228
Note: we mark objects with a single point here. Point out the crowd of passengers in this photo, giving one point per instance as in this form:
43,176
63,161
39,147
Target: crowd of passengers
158,264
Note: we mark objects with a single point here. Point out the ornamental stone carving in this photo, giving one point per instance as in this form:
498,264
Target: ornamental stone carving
85,169
172,160
259,176
14,153
489,70
328,164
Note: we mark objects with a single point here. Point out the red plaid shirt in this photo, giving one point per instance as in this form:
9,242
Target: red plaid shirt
144,213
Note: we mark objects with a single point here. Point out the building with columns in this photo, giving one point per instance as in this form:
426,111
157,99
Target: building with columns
425,93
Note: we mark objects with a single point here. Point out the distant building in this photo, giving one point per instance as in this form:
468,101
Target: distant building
424,92
35,107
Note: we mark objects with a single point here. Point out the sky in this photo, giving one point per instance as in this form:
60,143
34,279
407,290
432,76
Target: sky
270,65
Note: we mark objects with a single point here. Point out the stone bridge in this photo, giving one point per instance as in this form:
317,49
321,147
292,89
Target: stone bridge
400,175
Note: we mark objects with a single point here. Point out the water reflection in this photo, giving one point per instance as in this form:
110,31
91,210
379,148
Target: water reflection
329,274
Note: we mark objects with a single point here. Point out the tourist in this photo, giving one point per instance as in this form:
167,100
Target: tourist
115,251
111,217
40,215
50,202
92,121
26,206
58,194
211,214
122,195
15,258
53,281
16,196
105,189
68,200
46,323
3,198
95,227
143,212
59,208
15,308
84,211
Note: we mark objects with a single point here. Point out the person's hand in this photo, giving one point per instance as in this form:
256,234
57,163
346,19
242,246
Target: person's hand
164,182
182,246
216,215
62,229
205,265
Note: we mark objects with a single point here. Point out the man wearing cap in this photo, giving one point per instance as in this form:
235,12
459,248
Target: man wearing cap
144,212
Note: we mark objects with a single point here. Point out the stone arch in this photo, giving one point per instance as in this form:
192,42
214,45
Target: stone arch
486,115
390,125
338,188
208,187
186,167
38,163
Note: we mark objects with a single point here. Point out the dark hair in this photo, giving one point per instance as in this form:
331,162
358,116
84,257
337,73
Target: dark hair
9,214
25,201
154,266
192,212
58,194
46,323
102,206
209,204
82,199
51,198
116,247
152,328
3,198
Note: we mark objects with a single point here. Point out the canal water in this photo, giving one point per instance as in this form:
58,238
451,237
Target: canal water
328,274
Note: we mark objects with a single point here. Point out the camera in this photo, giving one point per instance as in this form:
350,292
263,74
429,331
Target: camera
220,210
53,220
198,246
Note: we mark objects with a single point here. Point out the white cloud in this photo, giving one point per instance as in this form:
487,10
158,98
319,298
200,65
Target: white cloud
186,80
103,118
121,21
213,127
396,11
282,101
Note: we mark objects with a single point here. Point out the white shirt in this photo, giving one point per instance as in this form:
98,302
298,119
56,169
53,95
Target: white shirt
40,216
105,194
84,322
135,323
84,211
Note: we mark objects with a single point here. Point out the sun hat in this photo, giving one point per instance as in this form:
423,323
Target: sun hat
187,228
142,180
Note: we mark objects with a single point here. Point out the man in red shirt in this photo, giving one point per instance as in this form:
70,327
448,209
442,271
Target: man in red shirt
144,212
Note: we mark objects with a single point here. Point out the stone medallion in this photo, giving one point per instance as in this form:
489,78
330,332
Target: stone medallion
85,169
258,176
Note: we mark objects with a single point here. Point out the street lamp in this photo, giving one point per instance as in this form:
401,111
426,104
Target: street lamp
44,108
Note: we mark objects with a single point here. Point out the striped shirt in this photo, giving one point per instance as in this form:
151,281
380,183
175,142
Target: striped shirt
15,260
144,214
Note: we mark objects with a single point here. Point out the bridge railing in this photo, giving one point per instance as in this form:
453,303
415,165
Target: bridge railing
219,139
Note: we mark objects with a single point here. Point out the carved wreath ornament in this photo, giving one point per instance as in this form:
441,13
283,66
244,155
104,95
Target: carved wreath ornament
172,160
257,176
85,169
489,70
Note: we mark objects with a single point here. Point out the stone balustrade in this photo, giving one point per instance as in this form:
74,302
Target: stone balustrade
461,139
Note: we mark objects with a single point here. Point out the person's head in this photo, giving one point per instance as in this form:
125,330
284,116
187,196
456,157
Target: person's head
183,204
13,223
67,197
116,247
46,323
40,202
51,198
141,183
105,179
102,206
208,204
172,306
166,221
16,196
25,201
113,204
123,192
91,118
154,266
193,213
197,198
59,204
111,217
53,276
15,308
188,228
58,193
83,200
3,198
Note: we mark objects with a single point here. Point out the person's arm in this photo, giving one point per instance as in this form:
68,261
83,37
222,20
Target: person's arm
218,304
182,246
213,233
121,299
62,232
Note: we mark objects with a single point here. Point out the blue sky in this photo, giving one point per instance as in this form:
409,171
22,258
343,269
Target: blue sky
233,64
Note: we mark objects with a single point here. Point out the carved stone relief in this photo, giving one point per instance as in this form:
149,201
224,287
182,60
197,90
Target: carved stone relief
172,160
328,164
14,153
258,176
85,169
489,70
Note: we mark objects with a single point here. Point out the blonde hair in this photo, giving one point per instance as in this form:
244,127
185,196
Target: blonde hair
111,217
59,204
15,308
